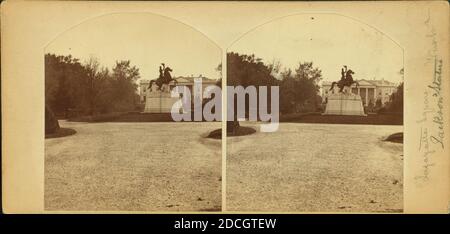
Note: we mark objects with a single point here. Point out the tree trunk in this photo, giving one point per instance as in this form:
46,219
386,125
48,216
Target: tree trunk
232,126
51,123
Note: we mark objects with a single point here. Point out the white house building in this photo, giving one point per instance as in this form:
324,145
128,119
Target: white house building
369,90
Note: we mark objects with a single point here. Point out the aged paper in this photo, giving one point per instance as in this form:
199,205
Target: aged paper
147,164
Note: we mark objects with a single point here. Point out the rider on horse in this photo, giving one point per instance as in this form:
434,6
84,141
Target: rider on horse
346,79
164,77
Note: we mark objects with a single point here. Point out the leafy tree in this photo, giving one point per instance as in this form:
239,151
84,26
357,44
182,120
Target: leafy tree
299,91
124,77
248,70
64,78
93,88
245,70
89,88
396,100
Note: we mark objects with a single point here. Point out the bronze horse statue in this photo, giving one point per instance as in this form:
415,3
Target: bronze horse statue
164,77
346,80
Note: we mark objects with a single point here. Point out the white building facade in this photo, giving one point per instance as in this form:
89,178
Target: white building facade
369,90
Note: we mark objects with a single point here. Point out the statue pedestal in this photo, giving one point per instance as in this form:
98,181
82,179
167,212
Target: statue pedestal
344,104
159,102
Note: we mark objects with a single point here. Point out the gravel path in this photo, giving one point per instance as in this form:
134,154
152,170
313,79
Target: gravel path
134,167
316,168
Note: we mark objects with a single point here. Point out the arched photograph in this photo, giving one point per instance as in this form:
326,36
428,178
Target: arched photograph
338,100
111,140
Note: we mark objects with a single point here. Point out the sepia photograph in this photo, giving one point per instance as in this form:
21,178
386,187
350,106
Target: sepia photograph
225,115
338,146
111,143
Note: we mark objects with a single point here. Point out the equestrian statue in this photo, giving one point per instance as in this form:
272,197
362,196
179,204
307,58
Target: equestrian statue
164,79
346,80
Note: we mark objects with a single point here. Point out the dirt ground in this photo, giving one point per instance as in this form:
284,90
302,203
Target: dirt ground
134,167
172,167
316,168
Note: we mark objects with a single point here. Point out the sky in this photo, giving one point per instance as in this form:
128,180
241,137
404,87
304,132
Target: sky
329,41
146,40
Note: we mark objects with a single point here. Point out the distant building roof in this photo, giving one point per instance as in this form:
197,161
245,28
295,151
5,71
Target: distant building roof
382,83
190,79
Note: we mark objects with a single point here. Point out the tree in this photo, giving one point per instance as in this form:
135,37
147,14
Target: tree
64,78
248,70
124,77
102,94
299,91
92,70
378,103
395,103
51,123
245,70
89,88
